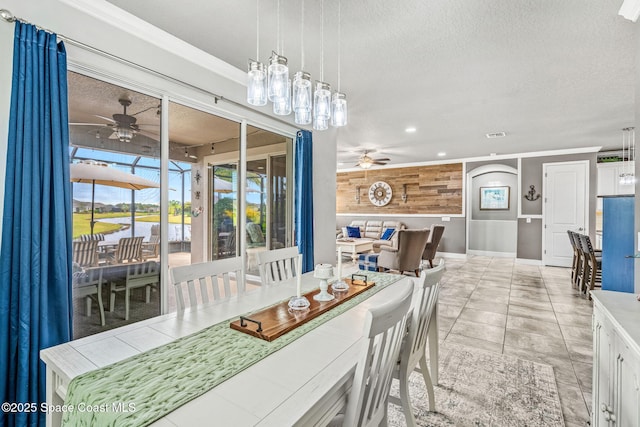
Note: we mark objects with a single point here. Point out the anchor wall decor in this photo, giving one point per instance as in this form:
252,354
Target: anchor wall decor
531,194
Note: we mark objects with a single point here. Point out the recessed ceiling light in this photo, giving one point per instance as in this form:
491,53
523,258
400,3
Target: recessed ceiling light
496,135
442,154
410,130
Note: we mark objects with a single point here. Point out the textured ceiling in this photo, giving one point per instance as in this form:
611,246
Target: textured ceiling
551,74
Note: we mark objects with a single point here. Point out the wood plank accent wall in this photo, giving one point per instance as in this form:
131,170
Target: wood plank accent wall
435,189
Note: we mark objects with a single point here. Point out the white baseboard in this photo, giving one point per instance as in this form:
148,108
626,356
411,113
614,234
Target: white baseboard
492,254
528,261
450,255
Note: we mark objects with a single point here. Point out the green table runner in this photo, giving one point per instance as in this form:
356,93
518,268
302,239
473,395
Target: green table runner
143,388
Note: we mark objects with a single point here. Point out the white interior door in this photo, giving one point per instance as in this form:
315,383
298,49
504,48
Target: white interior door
566,190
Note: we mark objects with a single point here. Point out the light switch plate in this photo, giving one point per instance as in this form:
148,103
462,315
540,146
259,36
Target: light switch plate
528,220
446,218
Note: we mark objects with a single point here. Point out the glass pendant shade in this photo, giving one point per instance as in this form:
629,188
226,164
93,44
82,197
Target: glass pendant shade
339,109
282,107
302,98
278,77
322,103
256,84
320,123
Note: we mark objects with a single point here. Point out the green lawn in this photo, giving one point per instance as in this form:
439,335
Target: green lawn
173,219
82,225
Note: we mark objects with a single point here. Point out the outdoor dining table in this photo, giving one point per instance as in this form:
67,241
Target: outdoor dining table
303,383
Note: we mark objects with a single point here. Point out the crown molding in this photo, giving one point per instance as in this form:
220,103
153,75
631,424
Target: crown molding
130,24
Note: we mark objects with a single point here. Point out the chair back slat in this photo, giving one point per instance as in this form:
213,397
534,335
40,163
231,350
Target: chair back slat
279,265
129,249
85,253
423,312
384,329
202,281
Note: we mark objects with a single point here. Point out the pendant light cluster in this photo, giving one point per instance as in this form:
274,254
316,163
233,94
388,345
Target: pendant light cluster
274,84
627,176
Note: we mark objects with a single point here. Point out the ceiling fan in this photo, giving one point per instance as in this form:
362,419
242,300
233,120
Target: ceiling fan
124,125
366,161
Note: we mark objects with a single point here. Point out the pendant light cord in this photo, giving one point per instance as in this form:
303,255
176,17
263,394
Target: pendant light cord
322,40
278,27
339,42
302,36
258,30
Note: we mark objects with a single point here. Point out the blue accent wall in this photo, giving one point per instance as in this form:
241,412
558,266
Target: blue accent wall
617,244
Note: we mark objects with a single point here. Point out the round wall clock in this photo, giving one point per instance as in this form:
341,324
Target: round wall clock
380,193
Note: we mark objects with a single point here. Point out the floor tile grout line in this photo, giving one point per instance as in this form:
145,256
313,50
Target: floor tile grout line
564,340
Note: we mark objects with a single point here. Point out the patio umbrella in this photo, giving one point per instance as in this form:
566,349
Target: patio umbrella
102,174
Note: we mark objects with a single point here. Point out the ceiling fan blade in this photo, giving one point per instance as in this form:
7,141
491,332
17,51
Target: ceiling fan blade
87,124
384,159
109,119
148,125
375,162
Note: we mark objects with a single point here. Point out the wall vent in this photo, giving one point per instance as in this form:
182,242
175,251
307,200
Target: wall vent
496,135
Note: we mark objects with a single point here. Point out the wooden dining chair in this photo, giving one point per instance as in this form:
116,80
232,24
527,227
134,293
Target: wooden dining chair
139,275
385,327
574,240
591,274
201,281
85,253
278,265
413,351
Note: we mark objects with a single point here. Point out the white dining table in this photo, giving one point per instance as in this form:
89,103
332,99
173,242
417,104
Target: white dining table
305,383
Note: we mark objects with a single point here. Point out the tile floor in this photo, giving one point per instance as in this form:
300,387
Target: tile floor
528,311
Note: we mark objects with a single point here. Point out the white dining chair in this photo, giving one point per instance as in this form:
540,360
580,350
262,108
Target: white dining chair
384,329
413,350
278,265
203,279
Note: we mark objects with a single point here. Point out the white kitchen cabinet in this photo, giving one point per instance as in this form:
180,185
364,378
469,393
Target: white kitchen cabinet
609,179
616,360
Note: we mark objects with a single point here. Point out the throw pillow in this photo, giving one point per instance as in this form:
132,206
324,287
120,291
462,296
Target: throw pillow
353,232
387,234
345,234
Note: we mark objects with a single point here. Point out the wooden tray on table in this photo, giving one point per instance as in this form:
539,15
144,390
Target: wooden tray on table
279,319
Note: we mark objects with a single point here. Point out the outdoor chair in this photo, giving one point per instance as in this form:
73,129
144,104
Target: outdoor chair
408,255
278,265
142,274
129,249
85,253
384,329
87,284
413,351
201,281
151,249
430,249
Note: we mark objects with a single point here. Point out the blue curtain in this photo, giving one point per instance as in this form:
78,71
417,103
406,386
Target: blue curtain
304,198
35,256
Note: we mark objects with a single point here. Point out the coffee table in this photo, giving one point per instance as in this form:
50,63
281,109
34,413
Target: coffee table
354,247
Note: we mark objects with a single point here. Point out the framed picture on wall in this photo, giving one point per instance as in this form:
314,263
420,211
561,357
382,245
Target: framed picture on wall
494,198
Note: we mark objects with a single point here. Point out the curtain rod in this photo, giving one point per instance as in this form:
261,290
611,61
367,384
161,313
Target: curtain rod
7,16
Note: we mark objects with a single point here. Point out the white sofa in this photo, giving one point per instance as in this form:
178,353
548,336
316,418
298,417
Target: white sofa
371,230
